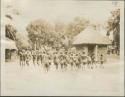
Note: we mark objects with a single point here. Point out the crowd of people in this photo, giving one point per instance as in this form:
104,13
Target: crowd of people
62,58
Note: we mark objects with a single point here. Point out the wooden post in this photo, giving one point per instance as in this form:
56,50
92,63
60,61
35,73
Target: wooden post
96,52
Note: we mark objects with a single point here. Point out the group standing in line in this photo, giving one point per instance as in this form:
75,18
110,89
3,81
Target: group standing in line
59,58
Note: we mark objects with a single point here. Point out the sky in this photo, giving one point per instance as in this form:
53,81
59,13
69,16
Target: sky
59,10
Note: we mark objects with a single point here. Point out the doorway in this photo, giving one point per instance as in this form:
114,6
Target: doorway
91,49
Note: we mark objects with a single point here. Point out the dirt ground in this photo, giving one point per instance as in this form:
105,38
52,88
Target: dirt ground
34,81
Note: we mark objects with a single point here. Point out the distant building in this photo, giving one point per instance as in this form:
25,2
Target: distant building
9,41
92,42
10,49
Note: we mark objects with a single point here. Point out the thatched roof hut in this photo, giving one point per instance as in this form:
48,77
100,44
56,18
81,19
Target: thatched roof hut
90,36
92,42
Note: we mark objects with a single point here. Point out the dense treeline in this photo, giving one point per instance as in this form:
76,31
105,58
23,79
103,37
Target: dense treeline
55,34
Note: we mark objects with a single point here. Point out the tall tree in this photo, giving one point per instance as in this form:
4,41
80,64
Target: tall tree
22,42
114,25
77,25
40,32
10,31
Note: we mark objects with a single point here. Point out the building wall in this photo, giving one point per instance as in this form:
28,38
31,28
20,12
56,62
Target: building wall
10,55
83,48
101,49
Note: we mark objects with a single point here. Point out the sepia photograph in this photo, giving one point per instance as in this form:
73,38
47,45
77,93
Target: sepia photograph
62,48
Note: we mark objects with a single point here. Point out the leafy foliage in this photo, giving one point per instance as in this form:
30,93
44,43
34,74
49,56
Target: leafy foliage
57,34
114,25
10,31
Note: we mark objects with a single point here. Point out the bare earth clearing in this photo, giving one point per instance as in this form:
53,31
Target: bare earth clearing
33,80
